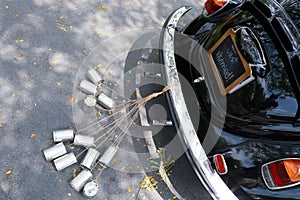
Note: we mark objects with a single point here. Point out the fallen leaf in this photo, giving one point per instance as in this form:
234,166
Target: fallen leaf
20,41
21,55
1,125
71,99
74,173
69,194
101,7
9,172
110,139
33,135
28,76
58,83
111,179
128,189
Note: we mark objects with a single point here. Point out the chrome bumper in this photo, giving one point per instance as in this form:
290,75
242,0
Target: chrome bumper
209,177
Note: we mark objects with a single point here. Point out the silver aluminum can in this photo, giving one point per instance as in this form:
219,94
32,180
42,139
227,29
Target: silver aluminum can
162,123
93,76
90,158
65,161
55,151
90,189
88,87
84,141
63,135
108,155
89,104
105,101
81,179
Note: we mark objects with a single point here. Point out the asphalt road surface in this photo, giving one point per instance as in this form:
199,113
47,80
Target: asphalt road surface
46,48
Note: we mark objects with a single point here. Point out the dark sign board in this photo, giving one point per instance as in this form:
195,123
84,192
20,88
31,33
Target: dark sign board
229,66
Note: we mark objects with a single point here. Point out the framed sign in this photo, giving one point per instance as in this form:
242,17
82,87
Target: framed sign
229,66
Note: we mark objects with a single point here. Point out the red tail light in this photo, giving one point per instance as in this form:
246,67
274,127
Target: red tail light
282,173
214,5
220,164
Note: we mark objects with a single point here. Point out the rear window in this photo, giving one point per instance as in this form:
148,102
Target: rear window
268,96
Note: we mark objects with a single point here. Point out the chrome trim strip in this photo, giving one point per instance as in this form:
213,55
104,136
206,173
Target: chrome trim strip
209,178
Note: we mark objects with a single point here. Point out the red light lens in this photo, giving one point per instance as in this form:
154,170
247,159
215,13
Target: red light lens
220,164
214,5
281,173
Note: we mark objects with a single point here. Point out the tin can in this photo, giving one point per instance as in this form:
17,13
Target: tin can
105,101
84,141
162,123
108,156
81,179
63,135
152,75
65,161
89,104
55,151
93,76
90,158
88,87
90,189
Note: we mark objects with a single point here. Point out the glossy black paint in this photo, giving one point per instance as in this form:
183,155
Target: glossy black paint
261,117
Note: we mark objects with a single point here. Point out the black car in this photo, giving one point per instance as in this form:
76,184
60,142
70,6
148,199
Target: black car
242,59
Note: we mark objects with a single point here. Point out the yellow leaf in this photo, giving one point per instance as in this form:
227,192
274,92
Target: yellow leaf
128,189
58,83
74,173
63,29
33,135
1,125
9,172
20,41
101,7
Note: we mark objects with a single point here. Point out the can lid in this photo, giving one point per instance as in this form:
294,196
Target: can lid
90,189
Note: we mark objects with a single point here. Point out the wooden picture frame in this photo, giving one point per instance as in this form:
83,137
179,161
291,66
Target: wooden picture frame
223,65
